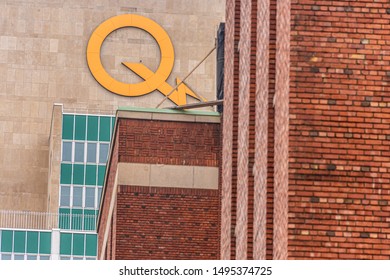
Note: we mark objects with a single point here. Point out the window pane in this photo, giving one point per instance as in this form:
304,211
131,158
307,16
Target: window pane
67,151
20,242
89,219
64,219
90,197
112,125
78,244
92,132
104,129
79,152
65,243
77,196
67,127
77,219
18,257
64,258
32,242
81,123
90,175
45,242
91,152
78,258
78,174
6,240
99,196
101,173
103,153
5,256
32,257
44,258
66,173
65,196
91,245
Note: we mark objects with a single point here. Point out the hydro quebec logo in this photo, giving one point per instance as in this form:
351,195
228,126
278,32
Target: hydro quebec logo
152,80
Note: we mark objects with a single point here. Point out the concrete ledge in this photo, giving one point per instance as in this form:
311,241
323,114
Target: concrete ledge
169,115
173,117
168,176
207,119
135,115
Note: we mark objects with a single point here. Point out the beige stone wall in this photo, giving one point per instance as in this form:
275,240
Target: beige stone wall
42,61
55,139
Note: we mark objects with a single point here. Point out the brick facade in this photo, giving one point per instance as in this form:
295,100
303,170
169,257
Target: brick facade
167,223
232,126
339,123
152,222
168,142
339,130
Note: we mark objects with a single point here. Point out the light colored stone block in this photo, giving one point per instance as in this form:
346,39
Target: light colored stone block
172,176
167,176
133,174
206,177
173,117
135,115
208,119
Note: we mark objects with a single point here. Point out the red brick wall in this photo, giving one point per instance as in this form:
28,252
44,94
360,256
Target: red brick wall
252,123
167,223
339,130
163,223
168,142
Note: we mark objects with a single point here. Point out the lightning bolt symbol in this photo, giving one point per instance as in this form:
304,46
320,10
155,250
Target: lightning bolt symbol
178,96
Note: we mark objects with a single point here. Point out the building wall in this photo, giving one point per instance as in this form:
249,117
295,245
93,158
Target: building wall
162,198
248,130
339,132
43,61
167,223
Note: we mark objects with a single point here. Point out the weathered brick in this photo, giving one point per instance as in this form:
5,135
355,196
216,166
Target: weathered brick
162,223
347,106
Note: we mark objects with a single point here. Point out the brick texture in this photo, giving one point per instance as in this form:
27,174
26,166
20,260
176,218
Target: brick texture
163,223
339,130
234,126
167,223
167,142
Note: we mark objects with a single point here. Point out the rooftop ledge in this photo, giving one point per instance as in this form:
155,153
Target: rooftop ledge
168,114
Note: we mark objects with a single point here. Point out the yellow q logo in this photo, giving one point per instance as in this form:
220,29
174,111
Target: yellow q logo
152,80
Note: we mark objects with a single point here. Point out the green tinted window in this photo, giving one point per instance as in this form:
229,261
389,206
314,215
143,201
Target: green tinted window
77,219
92,131
90,176
65,243
64,220
112,126
90,219
66,173
20,242
44,242
6,240
91,244
67,127
80,129
104,129
101,173
78,174
32,242
78,244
